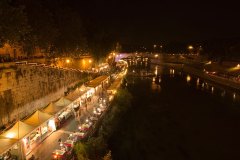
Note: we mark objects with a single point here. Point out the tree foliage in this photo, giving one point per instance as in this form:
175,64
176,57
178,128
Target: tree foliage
55,27
96,147
108,156
13,23
80,150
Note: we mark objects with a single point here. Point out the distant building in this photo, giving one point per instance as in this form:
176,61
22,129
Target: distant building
10,53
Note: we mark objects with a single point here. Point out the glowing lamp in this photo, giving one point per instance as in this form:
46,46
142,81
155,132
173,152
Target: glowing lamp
10,135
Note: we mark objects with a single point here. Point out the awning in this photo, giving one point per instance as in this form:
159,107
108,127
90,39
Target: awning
62,102
6,144
51,109
97,81
77,93
18,131
37,118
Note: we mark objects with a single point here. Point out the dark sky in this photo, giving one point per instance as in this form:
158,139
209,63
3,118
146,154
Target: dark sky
150,21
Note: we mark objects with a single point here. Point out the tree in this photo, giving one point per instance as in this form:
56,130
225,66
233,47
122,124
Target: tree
108,156
72,34
96,147
13,23
80,150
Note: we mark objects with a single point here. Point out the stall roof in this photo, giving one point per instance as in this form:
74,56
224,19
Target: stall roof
37,118
115,84
77,93
6,144
62,102
18,131
51,109
97,81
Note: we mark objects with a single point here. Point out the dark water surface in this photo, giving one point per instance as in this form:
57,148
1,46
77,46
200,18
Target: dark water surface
178,120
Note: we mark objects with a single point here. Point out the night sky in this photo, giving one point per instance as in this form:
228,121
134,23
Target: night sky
152,21
167,20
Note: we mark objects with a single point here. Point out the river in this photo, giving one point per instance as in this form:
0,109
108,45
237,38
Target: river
178,117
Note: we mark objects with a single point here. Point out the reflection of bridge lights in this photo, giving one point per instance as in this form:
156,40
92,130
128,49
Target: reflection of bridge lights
198,81
234,95
212,89
159,80
188,78
153,79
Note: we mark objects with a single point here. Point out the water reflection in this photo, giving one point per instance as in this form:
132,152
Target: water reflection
212,89
168,107
223,93
156,70
188,78
159,80
172,72
153,80
198,81
156,83
234,96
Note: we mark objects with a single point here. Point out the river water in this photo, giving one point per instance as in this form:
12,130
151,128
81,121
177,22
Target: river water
178,117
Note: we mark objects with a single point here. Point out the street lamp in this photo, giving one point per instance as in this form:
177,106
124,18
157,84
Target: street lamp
67,62
190,48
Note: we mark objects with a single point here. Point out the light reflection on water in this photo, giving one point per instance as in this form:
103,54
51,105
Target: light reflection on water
210,87
171,111
193,81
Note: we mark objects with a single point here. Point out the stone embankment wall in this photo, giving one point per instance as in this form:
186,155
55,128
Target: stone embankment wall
25,88
192,65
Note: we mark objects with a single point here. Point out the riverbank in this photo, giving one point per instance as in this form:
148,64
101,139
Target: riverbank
95,147
199,72
216,79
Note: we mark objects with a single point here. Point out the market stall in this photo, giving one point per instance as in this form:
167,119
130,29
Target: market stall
59,154
8,148
53,110
62,102
44,126
66,112
61,110
18,132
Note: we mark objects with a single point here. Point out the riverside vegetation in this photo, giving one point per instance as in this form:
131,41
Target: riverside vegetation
97,146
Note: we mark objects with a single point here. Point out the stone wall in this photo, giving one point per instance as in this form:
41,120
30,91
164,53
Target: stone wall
25,88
